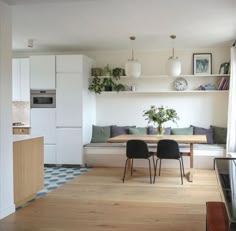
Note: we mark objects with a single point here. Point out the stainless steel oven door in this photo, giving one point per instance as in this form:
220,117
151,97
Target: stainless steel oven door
43,98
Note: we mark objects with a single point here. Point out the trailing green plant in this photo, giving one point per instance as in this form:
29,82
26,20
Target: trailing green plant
117,73
108,83
96,85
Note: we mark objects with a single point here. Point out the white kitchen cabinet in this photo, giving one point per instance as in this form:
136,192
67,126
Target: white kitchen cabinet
20,80
50,154
42,72
68,63
69,146
43,123
69,99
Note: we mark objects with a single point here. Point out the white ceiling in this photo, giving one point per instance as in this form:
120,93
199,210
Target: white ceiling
71,25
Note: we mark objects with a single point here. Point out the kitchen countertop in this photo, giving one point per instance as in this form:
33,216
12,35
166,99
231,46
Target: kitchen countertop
24,137
21,126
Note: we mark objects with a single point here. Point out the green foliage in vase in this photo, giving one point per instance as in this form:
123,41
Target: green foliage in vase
160,115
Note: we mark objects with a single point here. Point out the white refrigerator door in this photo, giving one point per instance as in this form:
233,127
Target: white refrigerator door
43,123
69,146
69,100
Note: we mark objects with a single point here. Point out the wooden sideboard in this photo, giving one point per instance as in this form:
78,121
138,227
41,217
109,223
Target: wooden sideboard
28,168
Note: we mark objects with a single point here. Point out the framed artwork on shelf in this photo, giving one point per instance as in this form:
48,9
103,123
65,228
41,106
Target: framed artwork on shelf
202,63
224,68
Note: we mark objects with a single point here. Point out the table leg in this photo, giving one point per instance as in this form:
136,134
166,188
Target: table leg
189,175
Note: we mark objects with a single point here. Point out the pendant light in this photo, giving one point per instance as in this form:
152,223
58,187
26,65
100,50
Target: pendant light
132,66
173,65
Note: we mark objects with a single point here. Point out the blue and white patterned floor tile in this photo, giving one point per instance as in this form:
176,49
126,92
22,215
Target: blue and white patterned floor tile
55,177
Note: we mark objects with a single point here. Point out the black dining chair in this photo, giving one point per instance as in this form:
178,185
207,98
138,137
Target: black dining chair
169,149
137,149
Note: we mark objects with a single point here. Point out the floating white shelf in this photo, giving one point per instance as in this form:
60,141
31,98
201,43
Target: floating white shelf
168,77
163,92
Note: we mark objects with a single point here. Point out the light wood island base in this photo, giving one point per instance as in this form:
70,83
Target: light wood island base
28,168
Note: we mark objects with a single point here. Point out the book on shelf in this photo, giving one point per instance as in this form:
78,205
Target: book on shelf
223,84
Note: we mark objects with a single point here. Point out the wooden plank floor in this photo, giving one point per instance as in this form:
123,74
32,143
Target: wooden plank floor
98,200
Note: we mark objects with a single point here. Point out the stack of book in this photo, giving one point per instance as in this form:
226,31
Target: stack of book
223,84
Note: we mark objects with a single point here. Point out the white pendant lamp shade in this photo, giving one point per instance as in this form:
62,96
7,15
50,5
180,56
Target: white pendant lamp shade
173,65
132,66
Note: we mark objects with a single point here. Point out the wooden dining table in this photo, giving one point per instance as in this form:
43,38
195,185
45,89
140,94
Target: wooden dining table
185,139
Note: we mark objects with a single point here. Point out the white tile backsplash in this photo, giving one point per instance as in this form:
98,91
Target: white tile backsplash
21,112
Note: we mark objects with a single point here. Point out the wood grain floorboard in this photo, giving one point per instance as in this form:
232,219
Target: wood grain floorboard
98,200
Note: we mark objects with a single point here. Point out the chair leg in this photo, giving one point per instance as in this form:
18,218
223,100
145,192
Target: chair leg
125,170
153,162
150,171
180,167
155,173
132,167
160,168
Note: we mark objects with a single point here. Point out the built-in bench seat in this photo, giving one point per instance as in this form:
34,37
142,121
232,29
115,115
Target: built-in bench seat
113,154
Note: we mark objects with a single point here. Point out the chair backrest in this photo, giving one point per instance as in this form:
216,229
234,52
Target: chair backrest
168,149
137,149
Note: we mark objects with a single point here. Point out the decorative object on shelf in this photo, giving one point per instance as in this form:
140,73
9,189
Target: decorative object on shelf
107,71
180,84
159,116
173,65
202,63
118,72
133,67
96,71
224,68
207,87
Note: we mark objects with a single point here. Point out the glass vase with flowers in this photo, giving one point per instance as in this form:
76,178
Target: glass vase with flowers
160,115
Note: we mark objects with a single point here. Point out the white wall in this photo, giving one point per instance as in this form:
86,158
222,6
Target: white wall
200,109
6,156
203,109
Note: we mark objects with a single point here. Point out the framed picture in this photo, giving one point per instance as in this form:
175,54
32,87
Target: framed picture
224,68
202,63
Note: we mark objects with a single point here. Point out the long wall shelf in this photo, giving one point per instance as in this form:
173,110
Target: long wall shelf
160,92
166,76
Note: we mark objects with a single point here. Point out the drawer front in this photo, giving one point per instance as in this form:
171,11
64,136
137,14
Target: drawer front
19,131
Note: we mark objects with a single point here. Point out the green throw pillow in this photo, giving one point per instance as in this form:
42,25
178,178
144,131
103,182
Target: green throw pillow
140,131
219,135
182,131
100,134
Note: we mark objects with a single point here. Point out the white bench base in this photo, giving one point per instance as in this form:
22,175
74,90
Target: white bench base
113,155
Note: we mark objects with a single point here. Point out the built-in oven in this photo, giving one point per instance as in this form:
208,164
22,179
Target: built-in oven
42,98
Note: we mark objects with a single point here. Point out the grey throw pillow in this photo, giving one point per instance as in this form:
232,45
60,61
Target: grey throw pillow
118,130
204,131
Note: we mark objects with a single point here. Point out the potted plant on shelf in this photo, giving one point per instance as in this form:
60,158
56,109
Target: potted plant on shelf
159,116
107,82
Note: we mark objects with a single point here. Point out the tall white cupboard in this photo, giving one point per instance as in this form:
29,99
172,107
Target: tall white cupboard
20,79
75,110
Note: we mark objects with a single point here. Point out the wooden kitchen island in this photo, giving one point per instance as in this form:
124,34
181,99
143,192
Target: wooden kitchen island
28,165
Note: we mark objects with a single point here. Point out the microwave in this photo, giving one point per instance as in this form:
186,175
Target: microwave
42,98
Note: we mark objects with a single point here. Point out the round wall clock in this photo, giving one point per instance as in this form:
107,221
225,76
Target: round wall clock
180,84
